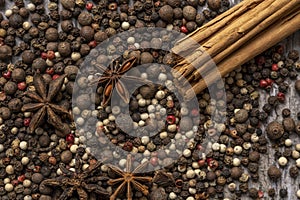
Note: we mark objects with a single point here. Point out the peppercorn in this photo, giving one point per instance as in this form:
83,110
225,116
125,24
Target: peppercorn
283,193
236,172
51,34
87,33
286,112
298,128
274,173
166,13
253,193
289,124
5,52
271,192
64,49
214,4
294,172
85,19
275,130
297,86
293,54
241,116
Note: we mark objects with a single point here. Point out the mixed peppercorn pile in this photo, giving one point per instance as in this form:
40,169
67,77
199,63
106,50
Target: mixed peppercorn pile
218,145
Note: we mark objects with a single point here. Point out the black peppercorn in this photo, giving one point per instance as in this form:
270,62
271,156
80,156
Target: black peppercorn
51,34
288,124
271,192
274,173
166,13
87,33
294,55
275,130
214,4
286,112
5,52
15,21
283,193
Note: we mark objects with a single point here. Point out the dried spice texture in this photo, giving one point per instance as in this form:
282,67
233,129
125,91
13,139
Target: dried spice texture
43,97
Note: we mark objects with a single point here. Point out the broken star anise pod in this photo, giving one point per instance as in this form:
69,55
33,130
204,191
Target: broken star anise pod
43,97
81,182
114,77
129,179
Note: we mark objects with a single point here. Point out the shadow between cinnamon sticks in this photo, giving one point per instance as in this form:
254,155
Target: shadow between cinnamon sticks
268,38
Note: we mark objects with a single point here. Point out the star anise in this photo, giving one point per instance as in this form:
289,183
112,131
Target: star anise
128,179
43,96
83,182
114,77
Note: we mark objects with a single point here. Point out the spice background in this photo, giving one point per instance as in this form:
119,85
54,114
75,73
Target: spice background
266,160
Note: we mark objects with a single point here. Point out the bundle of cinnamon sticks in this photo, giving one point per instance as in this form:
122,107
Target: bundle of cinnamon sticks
233,38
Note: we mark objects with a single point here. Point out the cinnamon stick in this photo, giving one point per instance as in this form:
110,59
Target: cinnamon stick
285,11
268,38
255,20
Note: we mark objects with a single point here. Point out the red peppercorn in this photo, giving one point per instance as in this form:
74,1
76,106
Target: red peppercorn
260,60
128,146
260,194
213,164
44,55
7,74
154,161
55,76
50,71
171,119
184,29
89,6
199,147
15,182
269,81
201,163
263,83
280,49
37,168
22,85
92,44
70,138
21,178
195,112
275,67
26,121
281,96
50,55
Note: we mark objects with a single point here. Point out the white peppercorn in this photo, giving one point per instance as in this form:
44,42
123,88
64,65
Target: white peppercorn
74,148
298,193
238,150
190,198
282,161
172,195
6,180
26,183
236,162
1,147
9,169
187,153
27,197
298,162
8,187
297,147
295,154
160,95
190,173
288,142
23,145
